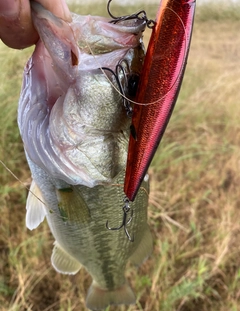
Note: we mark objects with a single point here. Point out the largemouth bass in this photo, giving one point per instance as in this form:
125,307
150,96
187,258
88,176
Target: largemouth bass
75,132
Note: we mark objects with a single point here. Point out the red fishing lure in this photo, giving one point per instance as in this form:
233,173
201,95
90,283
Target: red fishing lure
159,86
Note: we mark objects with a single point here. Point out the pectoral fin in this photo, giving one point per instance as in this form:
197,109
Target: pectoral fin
62,262
99,299
144,249
72,206
35,207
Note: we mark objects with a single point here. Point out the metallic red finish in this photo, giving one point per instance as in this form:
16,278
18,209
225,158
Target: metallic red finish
160,83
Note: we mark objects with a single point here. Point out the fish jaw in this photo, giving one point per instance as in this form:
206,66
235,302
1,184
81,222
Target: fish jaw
61,122
159,86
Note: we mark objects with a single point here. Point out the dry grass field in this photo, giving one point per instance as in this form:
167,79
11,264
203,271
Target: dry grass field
194,206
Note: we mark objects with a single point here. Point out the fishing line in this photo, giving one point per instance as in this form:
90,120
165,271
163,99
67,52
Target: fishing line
29,190
21,182
180,71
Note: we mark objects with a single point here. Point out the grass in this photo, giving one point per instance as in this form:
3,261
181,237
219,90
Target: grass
194,207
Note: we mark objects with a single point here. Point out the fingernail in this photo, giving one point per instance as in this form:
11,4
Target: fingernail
9,8
65,12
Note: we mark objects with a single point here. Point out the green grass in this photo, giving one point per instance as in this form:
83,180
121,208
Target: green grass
218,11
194,207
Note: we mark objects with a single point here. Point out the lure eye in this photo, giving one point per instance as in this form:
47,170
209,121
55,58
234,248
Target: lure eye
133,80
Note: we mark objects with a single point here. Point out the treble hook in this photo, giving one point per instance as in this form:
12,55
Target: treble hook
123,67
139,15
126,208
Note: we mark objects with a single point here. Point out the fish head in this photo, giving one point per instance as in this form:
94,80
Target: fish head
71,111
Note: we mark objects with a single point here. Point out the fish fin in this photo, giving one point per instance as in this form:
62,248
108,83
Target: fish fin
62,262
98,298
72,206
36,211
143,250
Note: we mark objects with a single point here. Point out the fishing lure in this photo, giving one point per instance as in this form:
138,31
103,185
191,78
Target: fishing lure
158,87
126,221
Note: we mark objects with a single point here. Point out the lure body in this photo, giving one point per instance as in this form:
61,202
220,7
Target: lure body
159,86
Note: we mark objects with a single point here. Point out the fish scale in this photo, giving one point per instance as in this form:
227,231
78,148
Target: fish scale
104,254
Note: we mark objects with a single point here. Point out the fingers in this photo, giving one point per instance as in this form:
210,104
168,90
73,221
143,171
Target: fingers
57,7
16,27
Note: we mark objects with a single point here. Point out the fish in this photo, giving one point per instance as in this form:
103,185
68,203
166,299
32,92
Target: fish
75,130
159,86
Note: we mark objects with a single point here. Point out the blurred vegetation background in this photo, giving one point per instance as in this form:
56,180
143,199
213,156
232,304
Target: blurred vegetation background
194,206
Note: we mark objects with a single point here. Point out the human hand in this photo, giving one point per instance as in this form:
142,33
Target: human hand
16,27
